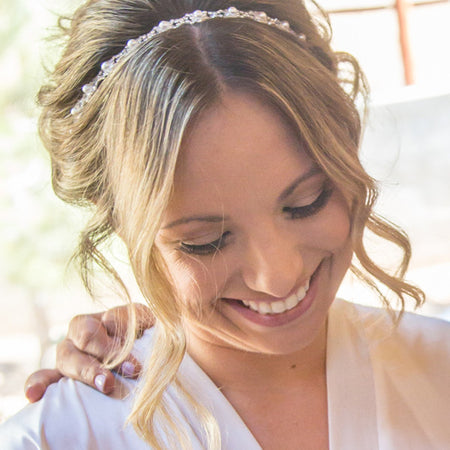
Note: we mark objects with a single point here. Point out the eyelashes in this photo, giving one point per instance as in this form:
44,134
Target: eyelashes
204,249
301,212
298,212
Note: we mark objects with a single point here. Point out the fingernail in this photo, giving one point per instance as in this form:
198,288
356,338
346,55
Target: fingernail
99,382
34,392
128,369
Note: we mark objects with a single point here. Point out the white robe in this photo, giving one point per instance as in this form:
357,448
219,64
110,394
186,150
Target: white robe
388,389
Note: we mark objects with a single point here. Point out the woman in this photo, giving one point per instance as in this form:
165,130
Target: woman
220,142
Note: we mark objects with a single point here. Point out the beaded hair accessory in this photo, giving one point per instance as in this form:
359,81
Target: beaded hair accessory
188,19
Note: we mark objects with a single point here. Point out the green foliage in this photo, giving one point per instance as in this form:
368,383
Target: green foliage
37,232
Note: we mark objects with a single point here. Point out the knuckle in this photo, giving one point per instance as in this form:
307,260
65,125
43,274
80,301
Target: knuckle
76,321
84,338
62,349
87,330
112,315
87,373
64,354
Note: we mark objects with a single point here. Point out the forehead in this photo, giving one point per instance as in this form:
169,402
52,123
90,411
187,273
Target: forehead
237,153
234,138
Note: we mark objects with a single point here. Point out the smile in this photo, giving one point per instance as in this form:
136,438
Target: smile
280,306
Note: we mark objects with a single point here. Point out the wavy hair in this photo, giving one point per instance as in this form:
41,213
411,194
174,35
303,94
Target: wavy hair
118,158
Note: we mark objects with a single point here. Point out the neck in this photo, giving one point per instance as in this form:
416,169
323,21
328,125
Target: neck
231,368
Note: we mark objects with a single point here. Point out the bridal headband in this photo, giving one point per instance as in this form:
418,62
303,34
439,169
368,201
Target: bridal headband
188,19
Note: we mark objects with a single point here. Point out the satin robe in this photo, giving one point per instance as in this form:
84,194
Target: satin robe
388,389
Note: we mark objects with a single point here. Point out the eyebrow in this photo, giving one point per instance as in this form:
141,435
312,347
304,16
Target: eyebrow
314,170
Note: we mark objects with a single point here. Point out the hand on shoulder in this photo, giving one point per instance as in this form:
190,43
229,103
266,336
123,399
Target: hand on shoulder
90,340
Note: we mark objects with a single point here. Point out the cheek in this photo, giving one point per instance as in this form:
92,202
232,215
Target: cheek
196,282
341,227
333,233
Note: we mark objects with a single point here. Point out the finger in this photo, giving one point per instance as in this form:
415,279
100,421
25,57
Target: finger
79,320
130,368
116,319
145,318
73,363
89,335
38,382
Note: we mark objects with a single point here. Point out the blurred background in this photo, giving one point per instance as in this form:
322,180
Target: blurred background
403,47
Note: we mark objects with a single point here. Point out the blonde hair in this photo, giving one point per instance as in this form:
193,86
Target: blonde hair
119,156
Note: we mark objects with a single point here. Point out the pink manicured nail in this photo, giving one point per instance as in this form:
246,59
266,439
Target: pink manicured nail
99,382
128,369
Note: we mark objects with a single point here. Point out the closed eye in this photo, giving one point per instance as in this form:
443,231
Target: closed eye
301,212
205,249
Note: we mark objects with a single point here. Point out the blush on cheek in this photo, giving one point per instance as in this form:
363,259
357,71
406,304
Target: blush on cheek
336,225
342,231
194,284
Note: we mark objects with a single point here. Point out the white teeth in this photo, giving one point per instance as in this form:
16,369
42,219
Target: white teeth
264,308
301,293
291,302
253,305
280,306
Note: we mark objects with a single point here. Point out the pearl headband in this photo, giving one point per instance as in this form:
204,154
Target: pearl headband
191,18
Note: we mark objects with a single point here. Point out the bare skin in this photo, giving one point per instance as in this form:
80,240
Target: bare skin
262,255
288,418
291,396
283,244
301,407
89,341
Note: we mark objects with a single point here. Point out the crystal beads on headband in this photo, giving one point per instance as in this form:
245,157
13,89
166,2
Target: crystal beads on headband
198,16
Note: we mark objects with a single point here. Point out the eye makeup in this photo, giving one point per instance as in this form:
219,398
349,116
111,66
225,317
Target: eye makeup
294,213
205,249
302,212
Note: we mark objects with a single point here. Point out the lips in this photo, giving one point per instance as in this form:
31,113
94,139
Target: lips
259,313
279,306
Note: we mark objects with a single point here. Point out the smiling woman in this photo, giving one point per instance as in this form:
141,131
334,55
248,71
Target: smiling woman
233,236
220,142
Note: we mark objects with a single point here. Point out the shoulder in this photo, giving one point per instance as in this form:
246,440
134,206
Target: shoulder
412,329
418,342
423,343
410,364
72,415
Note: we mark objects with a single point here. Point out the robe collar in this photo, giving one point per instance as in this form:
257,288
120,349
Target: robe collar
352,414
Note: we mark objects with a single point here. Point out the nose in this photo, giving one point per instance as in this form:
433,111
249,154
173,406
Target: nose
272,264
